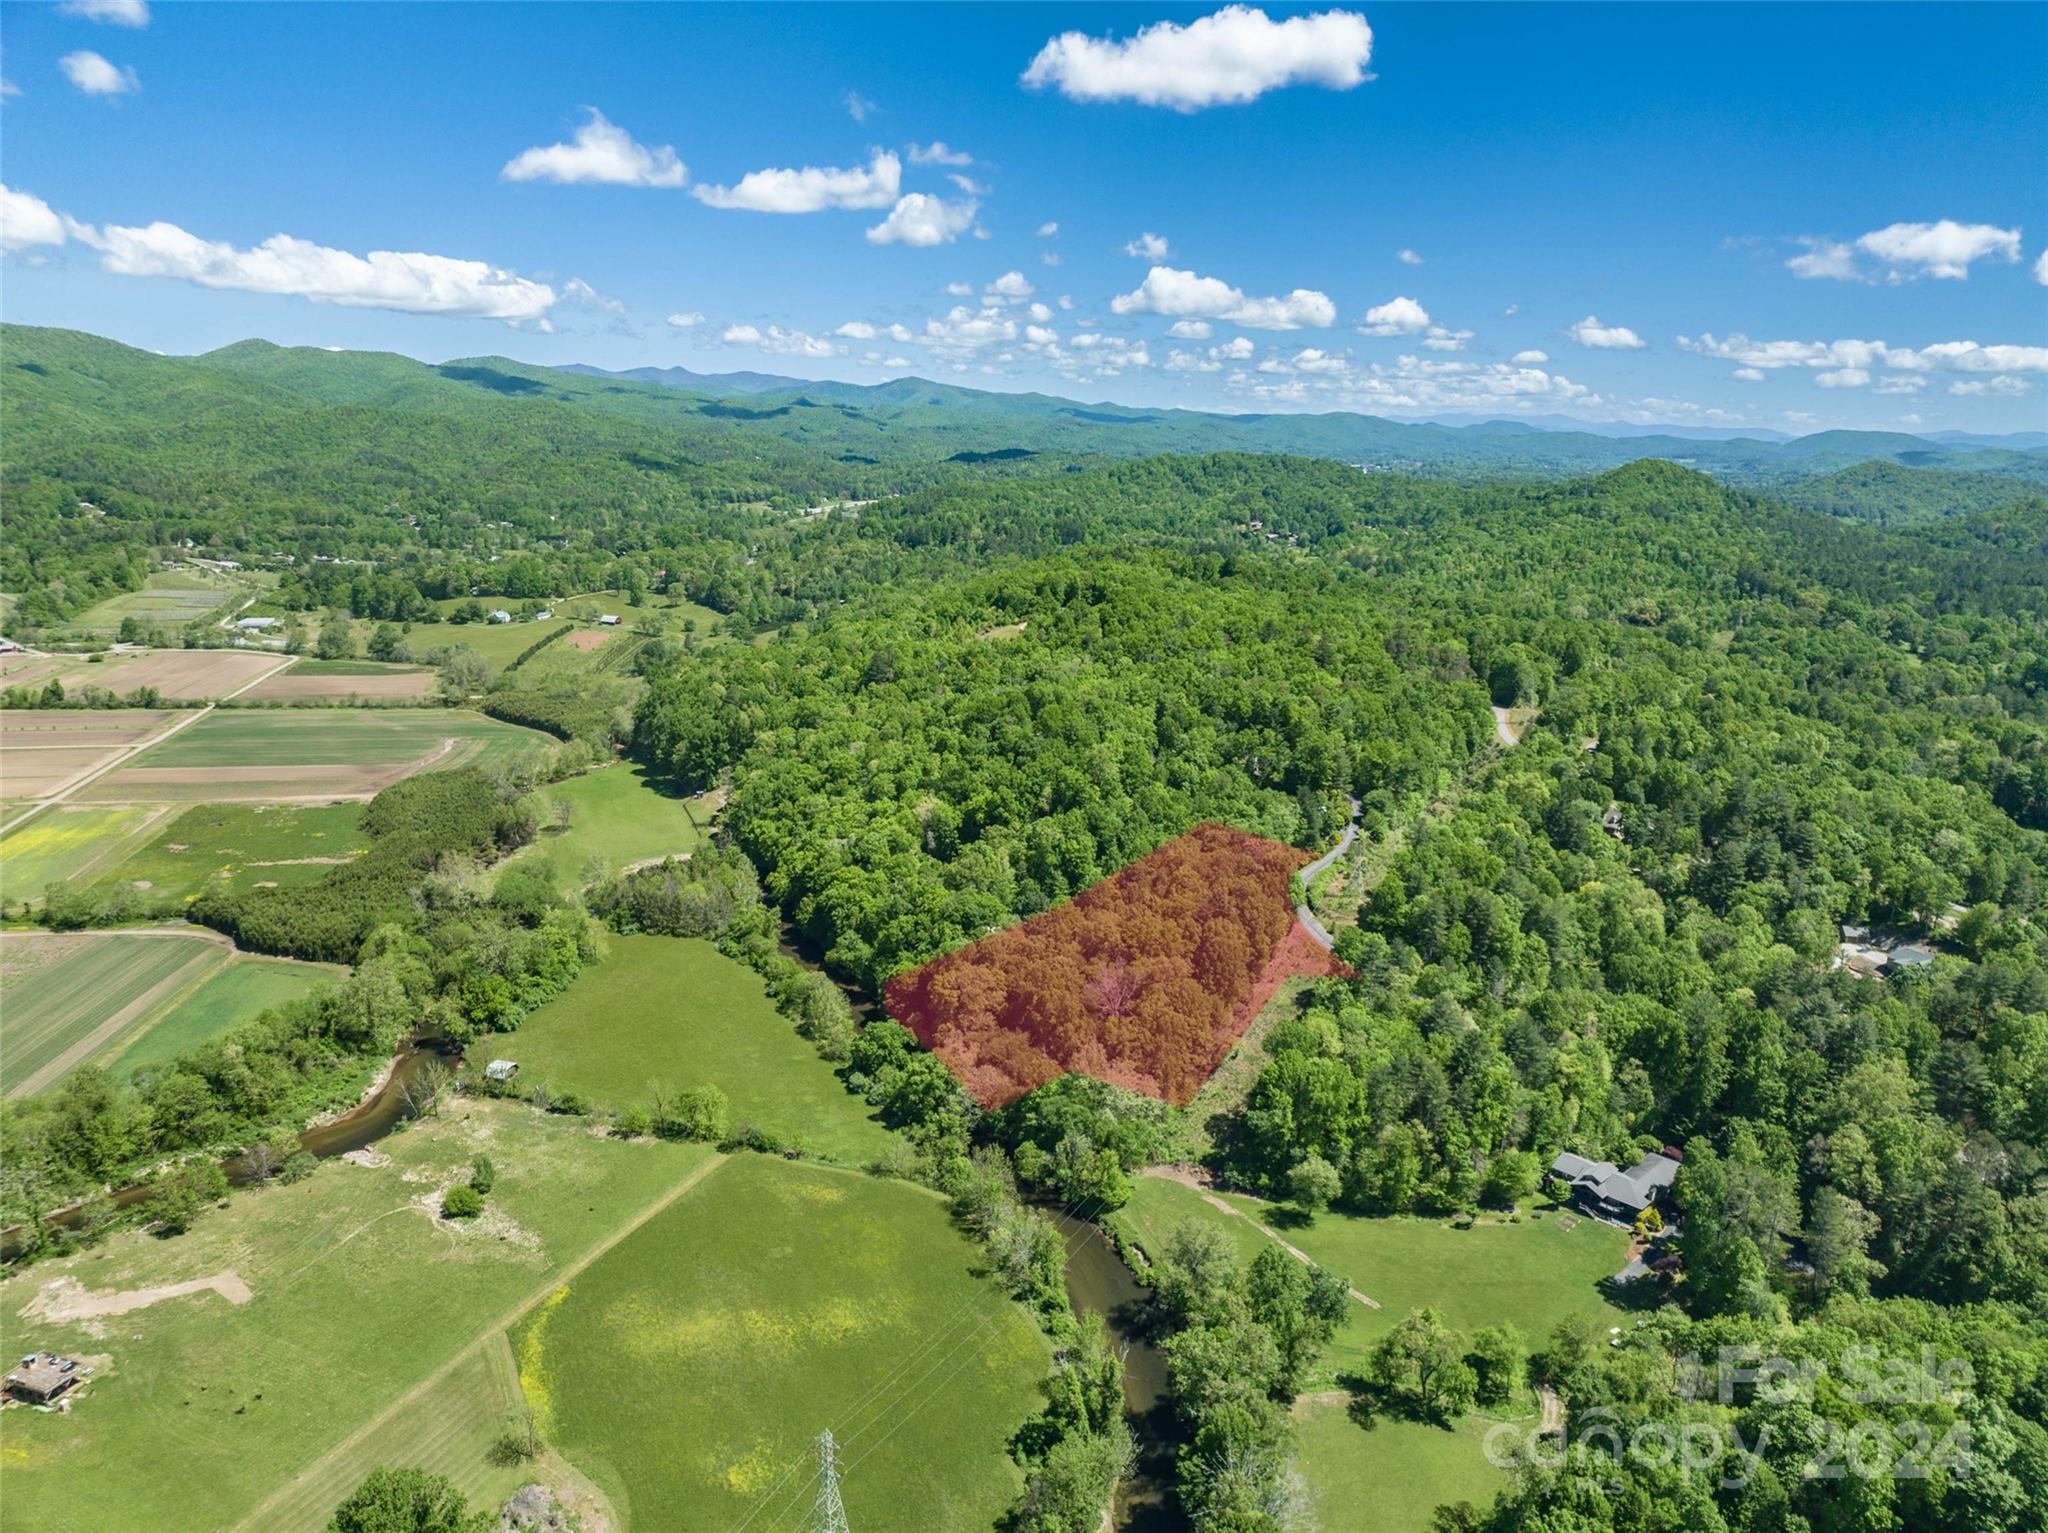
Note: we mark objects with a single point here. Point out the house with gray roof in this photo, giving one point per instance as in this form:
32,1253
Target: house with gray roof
1607,1192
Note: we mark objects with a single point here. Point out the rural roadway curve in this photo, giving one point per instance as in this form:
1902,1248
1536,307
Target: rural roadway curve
1314,871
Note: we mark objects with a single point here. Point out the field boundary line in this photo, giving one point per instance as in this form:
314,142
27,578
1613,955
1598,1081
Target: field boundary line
493,1330
129,752
144,1025
101,1037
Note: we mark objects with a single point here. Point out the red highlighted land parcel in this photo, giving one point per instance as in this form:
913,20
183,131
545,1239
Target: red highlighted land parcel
1146,980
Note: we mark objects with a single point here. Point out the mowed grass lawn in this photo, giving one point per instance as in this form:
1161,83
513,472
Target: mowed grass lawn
675,1011
688,1371
61,843
618,813
1531,1275
65,998
223,999
239,845
210,1415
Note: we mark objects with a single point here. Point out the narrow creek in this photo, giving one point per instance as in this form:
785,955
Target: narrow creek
364,1124
1098,1283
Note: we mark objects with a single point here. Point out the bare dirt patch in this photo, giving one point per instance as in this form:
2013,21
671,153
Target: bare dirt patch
587,639
39,773
293,684
67,1300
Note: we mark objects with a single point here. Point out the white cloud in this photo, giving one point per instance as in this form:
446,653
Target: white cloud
2008,386
937,153
812,189
118,13
1442,339
8,88
1238,348
1944,356
576,290
1844,378
1941,249
1408,258
1969,357
858,106
1397,316
969,185
1148,247
1312,360
1190,329
1235,55
96,77
601,153
1178,361
861,330
965,329
1066,300
1590,332
1511,311
789,343
1041,312
1010,285
1530,358
1904,383
1048,229
686,321
1183,295
1049,258
407,281
27,221
1824,258
920,219
1748,375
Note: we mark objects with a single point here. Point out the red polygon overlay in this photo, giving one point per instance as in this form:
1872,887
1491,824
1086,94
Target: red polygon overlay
1146,980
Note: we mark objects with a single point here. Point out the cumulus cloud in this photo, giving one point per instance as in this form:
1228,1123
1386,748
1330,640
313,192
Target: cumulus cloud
812,189
1413,383
2041,269
96,77
1048,229
1824,258
1441,338
1749,375
921,219
1590,332
1049,258
117,13
1859,356
1408,258
1530,358
2007,385
27,221
576,290
1190,330
1941,249
686,321
1237,349
1844,378
789,343
937,153
406,281
965,329
600,153
858,106
1397,316
1183,295
1011,286
861,330
1148,247
1234,55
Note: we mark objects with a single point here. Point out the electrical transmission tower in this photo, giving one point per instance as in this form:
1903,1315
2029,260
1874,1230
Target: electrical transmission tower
828,1513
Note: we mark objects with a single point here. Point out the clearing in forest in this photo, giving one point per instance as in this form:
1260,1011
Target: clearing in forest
689,1370
618,814
1146,980
675,1012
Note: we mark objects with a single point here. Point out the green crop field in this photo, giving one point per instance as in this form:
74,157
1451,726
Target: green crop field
224,998
367,1310
618,813
239,845
679,1013
688,1371
169,597
63,843
66,998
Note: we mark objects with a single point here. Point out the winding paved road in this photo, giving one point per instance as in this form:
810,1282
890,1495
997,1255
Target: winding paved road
1314,871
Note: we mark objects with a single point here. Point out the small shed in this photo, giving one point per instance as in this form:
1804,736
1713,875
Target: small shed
499,615
501,1070
43,1377
609,620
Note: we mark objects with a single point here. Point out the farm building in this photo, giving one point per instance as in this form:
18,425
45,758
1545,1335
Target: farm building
44,1377
1605,1191
499,615
610,620
1876,955
501,1070
255,624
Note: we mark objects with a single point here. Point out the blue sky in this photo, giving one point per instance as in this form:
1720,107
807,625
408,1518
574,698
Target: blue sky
1602,207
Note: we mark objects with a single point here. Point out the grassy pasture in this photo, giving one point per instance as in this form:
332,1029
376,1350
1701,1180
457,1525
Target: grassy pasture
499,643
1391,1477
618,813
678,1012
67,997
690,1368
238,845
258,754
64,843
224,998
367,1312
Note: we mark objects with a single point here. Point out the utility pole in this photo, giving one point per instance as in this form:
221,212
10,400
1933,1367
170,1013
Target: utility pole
828,1513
